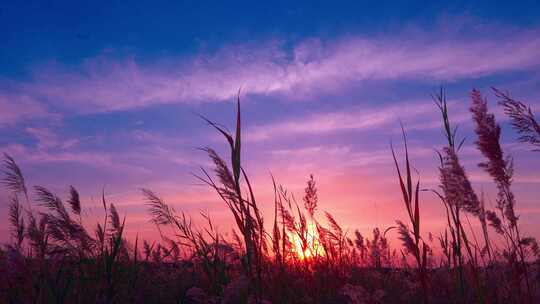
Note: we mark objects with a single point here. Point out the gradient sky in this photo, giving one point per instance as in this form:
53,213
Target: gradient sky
106,96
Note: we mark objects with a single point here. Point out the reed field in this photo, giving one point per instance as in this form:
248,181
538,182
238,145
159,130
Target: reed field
298,254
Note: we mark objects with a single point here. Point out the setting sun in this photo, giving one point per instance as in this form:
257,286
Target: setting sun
313,248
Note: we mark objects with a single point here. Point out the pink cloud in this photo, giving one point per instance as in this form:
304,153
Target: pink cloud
359,118
103,84
43,154
24,154
17,107
48,139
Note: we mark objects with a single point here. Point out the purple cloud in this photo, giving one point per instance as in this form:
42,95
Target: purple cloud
18,107
312,66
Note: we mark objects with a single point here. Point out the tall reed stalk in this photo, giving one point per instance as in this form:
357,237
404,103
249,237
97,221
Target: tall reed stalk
246,213
414,244
500,168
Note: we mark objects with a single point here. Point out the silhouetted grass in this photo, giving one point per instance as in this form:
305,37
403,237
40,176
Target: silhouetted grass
305,256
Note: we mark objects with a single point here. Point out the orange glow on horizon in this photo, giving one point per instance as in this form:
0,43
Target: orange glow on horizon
313,249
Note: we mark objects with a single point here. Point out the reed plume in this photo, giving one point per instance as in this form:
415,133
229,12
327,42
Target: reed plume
310,197
522,117
13,177
500,168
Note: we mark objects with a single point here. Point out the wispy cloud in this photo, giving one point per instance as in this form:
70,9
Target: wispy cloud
39,155
18,107
335,156
48,139
359,119
104,84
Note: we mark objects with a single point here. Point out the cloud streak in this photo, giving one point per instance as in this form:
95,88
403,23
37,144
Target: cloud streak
311,66
358,119
18,107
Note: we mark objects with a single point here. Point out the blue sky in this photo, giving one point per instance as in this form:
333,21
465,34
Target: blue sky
69,32
106,95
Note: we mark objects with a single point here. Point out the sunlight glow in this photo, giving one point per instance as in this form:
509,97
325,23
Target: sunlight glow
313,249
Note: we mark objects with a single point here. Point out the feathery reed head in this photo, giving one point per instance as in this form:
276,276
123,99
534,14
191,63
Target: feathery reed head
522,117
310,197
13,177
74,200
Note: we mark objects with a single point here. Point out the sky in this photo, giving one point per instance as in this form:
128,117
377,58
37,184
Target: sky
106,96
